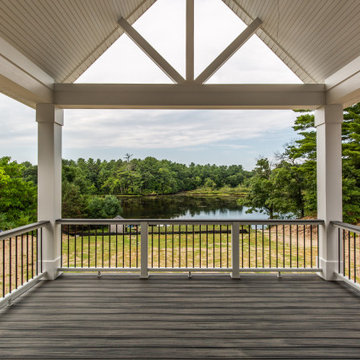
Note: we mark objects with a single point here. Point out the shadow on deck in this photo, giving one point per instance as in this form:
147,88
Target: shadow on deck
83,317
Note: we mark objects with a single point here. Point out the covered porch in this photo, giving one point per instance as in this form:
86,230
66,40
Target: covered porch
306,311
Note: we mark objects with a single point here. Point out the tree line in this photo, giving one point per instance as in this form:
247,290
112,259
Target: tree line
286,186
90,187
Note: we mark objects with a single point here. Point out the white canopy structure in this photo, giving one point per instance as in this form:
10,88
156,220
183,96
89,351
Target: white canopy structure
46,45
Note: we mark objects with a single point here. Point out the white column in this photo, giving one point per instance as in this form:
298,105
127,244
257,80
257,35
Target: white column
50,122
328,120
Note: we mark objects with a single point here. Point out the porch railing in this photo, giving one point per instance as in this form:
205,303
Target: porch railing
190,245
349,253
20,259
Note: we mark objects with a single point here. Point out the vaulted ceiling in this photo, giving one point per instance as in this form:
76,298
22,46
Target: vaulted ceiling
314,38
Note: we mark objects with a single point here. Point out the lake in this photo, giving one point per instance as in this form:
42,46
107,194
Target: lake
185,207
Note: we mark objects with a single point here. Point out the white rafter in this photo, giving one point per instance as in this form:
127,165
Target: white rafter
229,51
150,51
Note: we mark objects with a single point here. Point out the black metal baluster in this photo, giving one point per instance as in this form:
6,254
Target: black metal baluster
22,258
4,267
263,245
277,245
123,244
207,245
41,250
102,246
249,254
343,257
75,236
284,246
304,247
311,247
297,246
354,257
256,247
220,246
290,247
132,229
269,246
227,246
166,245
213,246
32,253
193,243
159,246
186,245
109,226
317,235
180,246
349,255
152,246
242,246
89,234
116,244
10,267
68,247
200,244
95,246
137,246
172,246
27,256
82,247
16,265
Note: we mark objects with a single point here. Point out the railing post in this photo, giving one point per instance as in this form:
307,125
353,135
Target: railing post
144,274
235,253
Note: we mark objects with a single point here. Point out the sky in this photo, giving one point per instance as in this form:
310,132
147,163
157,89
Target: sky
200,136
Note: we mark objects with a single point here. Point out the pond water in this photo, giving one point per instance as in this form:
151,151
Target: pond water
185,207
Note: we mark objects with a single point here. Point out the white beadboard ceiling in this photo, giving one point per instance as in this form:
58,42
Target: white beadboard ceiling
64,37
315,38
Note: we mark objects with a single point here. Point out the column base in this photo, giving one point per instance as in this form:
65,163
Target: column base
329,269
51,268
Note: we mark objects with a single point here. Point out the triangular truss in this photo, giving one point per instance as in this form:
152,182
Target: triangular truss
166,67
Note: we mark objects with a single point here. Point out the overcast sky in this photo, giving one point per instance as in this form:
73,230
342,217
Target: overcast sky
200,136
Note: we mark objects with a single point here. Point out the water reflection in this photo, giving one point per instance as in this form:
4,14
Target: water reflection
185,207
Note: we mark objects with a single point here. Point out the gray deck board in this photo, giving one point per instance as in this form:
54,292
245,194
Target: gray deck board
171,317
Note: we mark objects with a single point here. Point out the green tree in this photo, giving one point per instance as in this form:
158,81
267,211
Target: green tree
17,196
103,208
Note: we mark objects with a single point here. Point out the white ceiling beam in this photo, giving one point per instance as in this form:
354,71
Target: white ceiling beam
229,51
151,52
189,40
189,96
343,87
21,79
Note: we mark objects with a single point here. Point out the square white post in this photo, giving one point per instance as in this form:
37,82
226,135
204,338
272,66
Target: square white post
328,120
235,251
50,122
144,274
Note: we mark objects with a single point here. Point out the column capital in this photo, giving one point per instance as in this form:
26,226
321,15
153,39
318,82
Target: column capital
329,114
49,113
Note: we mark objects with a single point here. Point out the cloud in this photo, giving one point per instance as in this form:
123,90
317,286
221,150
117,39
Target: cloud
155,129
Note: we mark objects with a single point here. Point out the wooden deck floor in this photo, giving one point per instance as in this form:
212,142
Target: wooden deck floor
82,317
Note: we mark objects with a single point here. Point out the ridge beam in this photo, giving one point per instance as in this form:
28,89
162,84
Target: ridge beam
229,51
150,51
